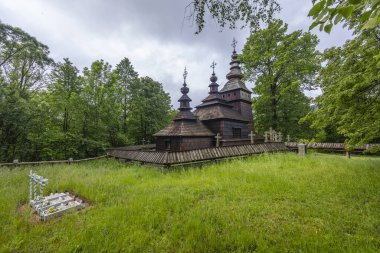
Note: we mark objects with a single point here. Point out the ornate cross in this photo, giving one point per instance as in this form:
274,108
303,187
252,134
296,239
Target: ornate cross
279,137
234,42
213,67
218,137
252,135
184,75
271,134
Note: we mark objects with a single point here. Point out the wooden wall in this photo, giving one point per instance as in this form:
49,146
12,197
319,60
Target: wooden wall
184,143
227,129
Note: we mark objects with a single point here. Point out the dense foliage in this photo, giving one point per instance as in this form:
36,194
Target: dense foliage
232,13
350,82
362,14
282,65
52,111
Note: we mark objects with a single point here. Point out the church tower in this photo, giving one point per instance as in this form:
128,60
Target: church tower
235,92
186,132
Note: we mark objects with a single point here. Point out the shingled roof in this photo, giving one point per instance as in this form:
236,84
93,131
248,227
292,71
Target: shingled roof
185,128
214,107
234,76
185,123
217,111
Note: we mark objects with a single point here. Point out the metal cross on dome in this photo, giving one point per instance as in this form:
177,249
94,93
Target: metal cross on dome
213,65
234,42
184,75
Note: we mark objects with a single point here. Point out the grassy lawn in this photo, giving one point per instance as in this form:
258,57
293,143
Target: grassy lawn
276,202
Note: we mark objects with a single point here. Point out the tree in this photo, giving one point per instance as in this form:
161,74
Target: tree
64,86
101,105
149,110
14,41
350,83
23,59
249,12
23,63
125,75
281,65
63,97
361,14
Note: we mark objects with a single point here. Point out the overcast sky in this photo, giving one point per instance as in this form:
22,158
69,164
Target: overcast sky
153,34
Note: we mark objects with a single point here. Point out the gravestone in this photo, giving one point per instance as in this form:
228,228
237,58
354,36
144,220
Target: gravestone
53,205
301,149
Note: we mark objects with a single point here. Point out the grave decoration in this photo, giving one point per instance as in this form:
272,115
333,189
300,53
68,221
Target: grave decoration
53,205
272,136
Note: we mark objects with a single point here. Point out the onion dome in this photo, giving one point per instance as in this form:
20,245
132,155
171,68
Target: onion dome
184,102
213,85
235,75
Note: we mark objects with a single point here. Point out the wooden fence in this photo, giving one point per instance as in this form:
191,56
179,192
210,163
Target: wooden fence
49,162
197,155
329,146
144,154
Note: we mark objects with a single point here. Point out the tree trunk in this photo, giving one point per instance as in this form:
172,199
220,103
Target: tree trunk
65,120
274,106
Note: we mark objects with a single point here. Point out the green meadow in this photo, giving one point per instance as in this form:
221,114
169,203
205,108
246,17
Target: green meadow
267,203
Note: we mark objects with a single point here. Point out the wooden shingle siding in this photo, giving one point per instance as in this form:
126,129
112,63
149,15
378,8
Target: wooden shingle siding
169,158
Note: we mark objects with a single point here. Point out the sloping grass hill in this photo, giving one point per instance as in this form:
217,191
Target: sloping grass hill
271,202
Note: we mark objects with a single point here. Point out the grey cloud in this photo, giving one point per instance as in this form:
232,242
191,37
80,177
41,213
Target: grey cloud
140,21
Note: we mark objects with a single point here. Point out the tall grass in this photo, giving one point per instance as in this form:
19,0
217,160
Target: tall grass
274,202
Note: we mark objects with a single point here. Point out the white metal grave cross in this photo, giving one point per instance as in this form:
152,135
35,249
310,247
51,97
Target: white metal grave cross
36,180
52,205
218,138
252,135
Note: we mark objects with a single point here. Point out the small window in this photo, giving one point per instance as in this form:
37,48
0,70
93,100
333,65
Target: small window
236,133
229,94
234,93
168,144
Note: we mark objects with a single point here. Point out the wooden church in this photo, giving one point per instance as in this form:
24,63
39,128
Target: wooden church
224,118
